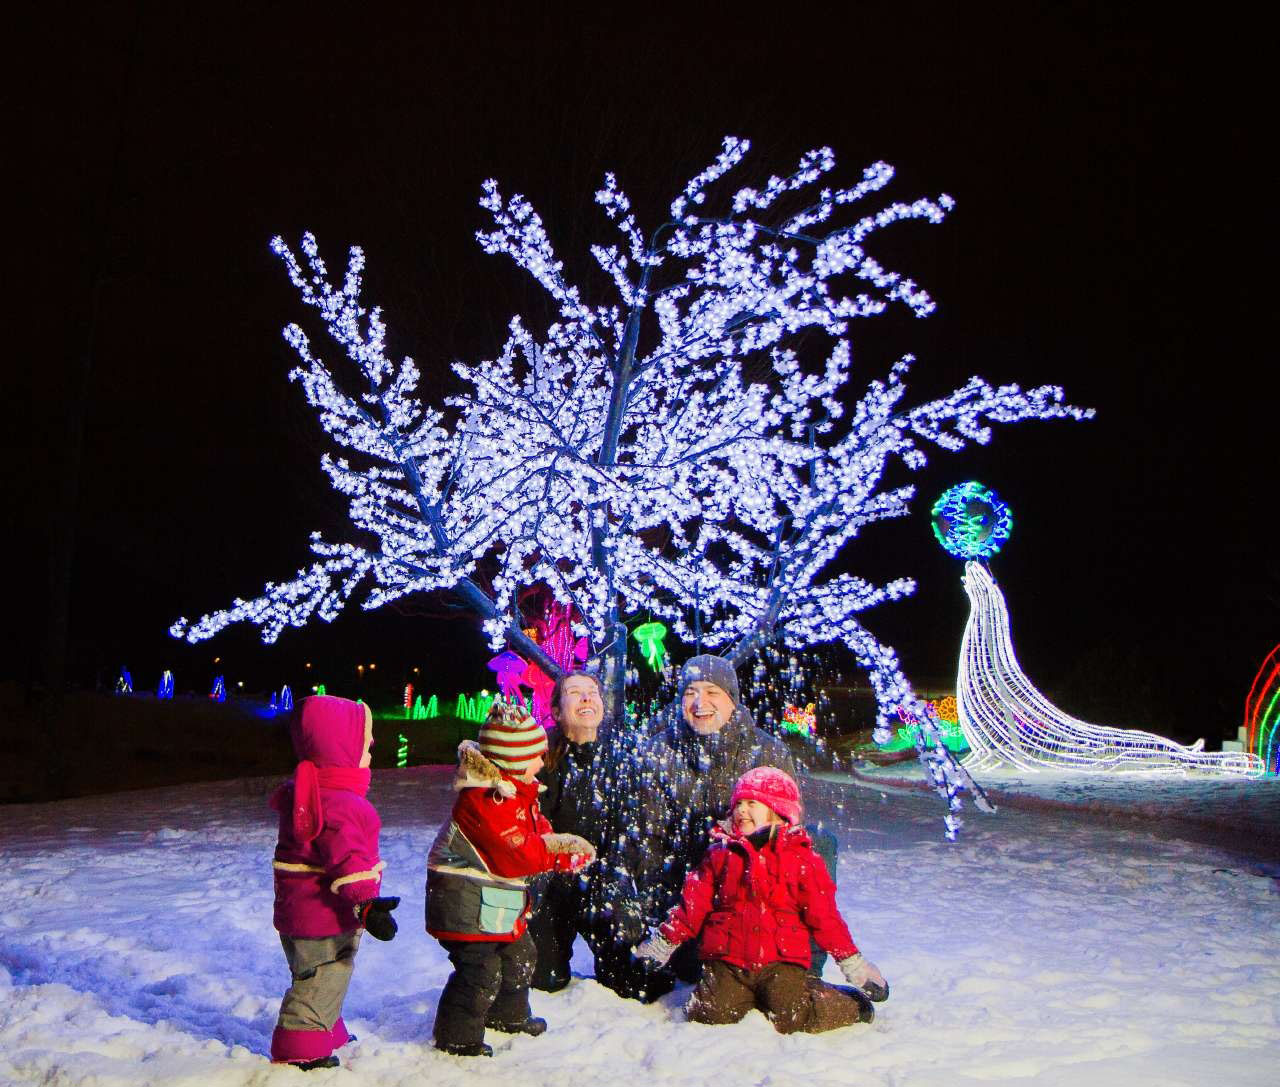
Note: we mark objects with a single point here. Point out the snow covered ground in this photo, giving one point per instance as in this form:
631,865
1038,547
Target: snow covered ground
1052,944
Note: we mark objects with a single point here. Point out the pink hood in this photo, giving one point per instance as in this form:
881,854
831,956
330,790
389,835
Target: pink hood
328,731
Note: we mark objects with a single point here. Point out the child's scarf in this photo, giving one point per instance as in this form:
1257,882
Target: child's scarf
306,807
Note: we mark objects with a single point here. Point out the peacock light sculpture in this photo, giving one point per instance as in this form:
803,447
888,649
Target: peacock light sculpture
1005,719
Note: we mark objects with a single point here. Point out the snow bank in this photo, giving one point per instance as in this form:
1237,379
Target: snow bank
1049,947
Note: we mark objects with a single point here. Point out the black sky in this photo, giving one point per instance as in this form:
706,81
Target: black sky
1109,236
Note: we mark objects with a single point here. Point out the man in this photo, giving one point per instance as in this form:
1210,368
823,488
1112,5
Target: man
690,767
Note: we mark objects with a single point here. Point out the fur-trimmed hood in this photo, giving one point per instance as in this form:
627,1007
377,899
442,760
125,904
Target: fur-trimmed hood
478,771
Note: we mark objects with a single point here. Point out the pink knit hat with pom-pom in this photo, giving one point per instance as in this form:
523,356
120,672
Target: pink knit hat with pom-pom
774,788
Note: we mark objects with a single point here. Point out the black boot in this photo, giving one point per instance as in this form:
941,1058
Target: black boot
866,1010
533,1026
310,1066
877,993
552,982
466,1049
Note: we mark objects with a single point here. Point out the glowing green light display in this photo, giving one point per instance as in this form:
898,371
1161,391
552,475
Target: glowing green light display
970,522
650,636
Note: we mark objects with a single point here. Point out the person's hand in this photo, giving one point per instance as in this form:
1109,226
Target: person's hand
862,973
375,916
656,949
569,852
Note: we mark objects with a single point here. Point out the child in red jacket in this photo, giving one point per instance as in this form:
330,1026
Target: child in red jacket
758,894
477,901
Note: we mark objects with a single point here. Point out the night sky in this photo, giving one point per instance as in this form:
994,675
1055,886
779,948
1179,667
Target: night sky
1108,237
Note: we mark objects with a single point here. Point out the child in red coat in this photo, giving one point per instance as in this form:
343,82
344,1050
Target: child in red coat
477,900
755,899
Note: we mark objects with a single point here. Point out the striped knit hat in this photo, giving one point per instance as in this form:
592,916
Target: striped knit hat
510,737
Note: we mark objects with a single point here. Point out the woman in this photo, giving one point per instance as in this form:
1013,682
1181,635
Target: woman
581,775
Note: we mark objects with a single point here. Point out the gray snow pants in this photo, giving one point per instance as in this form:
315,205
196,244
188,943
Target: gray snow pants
321,972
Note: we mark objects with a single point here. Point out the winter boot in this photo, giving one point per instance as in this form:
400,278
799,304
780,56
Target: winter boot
310,1066
533,1026
467,1049
878,993
866,1010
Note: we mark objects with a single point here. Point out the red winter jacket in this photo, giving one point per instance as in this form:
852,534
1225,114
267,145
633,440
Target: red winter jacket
758,905
492,842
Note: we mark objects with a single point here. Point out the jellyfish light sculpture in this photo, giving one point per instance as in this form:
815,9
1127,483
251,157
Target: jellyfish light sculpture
1005,719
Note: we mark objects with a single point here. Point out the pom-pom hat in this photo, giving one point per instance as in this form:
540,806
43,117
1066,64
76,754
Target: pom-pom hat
510,738
774,788
709,668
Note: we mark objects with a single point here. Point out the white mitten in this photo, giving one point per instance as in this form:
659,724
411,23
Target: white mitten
656,948
858,970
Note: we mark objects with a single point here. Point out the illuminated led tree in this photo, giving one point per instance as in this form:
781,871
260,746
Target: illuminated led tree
1005,719
670,451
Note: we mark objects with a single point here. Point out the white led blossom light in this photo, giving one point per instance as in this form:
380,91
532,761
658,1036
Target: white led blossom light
1007,721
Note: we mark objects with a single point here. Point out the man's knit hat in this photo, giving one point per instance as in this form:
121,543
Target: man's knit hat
774,788
708,668
510,738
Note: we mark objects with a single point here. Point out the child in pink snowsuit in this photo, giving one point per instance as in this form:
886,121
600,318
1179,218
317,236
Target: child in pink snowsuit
327,875
755,900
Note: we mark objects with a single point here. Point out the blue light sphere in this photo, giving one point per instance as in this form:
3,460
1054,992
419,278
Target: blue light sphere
971,522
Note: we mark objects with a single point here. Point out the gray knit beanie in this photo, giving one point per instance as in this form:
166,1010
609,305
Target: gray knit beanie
708,668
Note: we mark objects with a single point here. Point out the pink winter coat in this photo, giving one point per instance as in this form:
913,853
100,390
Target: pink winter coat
319,880
758,905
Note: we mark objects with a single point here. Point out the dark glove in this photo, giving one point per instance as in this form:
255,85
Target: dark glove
375,916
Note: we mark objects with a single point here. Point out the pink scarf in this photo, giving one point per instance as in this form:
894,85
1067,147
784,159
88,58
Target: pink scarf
308,780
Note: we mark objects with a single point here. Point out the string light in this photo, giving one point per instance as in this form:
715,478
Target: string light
165,690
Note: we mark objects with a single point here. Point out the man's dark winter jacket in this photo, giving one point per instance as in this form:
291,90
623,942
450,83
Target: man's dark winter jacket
689,781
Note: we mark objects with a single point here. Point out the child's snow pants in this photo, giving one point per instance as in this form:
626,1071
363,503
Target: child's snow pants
793,1000
489,986
310,1023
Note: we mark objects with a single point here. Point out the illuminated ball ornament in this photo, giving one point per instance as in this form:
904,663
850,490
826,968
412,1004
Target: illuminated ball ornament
971,522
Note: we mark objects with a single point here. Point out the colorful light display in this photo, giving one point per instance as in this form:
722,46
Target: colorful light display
1008,721
286,698
219,691
408,699
970,522
650,636
803,721
402,751
1262,714
124,682
165,690
509,671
